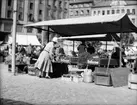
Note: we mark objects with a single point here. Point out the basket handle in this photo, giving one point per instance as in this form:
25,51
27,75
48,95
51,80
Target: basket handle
108,62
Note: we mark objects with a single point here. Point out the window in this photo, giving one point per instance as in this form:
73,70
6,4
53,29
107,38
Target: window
30,17
39,19
9,14
71,13
40,1
21,3
61,15
128,11
108,12
133,12
60,3
94,13
7,27
19,28
54,1
81,12
9,2
65,15
40,12
88,12
75,6
123,11
76,13
29,30
31,5
118,11
133,20
65,4
20,9
113,11
81,5
49,6
39,30
86,5
20,16
103,12
98,12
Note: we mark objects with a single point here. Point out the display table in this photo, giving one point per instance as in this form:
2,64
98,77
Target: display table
19,67
59,68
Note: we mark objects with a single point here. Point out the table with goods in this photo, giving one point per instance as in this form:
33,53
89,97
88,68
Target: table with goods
106,71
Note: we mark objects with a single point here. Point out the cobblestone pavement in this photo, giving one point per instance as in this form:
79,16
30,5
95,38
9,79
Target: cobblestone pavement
24,89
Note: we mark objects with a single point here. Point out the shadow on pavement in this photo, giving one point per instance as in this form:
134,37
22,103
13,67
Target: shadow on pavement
12,102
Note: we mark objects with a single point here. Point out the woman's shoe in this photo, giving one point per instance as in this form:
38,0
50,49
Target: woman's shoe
38,73
48,77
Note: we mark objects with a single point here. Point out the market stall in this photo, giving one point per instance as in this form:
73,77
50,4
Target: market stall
116,23
90,25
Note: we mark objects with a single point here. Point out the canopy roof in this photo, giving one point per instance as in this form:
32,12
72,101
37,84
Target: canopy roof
25,40
100,37
89,25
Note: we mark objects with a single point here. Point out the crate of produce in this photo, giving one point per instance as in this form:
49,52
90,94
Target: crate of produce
66,77
73,60
77,79
31,70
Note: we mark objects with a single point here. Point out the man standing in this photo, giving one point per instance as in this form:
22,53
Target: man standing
81,48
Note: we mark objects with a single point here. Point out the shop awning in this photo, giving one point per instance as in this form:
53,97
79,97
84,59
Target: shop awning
89,25
26,39
100,37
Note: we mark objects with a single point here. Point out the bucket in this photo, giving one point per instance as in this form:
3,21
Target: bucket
88,77
77,79
132,78
132,86
132,81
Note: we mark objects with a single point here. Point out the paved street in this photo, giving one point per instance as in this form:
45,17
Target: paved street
24,89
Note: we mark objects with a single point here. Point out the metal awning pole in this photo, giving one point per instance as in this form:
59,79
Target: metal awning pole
48,35
106,46
120,59
73,45
14,36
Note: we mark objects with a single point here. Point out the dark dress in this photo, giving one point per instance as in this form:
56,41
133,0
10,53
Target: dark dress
116,56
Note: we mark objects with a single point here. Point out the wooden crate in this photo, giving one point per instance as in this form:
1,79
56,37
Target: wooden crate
103,80
120,76
31,70
102,71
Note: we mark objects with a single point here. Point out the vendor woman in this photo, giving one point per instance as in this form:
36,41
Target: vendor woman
116,55
44,62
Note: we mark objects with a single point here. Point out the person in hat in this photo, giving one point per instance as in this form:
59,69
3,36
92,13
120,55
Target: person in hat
44,63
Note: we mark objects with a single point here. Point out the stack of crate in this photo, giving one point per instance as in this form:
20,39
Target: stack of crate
102,75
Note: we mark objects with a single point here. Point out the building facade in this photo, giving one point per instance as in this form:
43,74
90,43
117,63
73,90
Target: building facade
30,11
79,8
